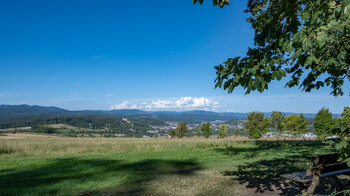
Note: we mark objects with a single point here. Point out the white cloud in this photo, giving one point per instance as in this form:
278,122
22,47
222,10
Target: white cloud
124,105
183,103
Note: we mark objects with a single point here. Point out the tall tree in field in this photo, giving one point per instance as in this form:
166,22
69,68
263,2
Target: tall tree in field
206,129
296,124
222,130
324,123
277,122
256,125
305,40
181,129
172,133
236,132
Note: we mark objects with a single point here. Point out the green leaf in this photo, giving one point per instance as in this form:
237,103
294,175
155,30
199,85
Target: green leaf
267,69
290,48
298,53
236,79
278,76
305,16
283,73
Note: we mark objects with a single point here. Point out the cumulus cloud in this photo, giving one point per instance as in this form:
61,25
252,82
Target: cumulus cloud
183,103
124,105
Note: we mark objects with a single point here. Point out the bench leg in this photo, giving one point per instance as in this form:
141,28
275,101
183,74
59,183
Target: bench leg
313,184
337,181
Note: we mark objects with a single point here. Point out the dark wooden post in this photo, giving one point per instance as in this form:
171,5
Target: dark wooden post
315,167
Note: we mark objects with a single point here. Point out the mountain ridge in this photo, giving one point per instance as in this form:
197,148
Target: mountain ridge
30,112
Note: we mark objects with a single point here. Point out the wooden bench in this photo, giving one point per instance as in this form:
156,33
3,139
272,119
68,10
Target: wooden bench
321,166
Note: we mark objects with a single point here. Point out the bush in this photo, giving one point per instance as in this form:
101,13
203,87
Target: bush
44,129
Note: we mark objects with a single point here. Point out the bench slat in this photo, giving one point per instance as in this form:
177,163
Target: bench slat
334,167
327,158
300,176
334,173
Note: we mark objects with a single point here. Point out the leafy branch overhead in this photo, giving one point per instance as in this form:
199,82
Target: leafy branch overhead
307,41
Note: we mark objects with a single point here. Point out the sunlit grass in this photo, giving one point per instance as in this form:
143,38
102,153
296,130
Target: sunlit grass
114,166
32,146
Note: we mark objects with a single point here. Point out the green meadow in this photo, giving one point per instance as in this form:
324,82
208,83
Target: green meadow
129,166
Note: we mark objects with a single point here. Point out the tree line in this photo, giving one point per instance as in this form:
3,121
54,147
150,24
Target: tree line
257,124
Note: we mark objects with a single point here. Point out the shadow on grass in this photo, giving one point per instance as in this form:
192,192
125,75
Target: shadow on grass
63,176
263,162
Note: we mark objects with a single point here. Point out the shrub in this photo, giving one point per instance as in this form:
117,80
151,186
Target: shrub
44,129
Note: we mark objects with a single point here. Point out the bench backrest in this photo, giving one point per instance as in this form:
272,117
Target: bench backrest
324,164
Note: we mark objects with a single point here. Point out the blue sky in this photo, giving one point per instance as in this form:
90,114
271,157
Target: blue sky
152,55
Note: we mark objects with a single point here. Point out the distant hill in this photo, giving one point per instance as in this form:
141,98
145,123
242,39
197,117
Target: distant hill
27,112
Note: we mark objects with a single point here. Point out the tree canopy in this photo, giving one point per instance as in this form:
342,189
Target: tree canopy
181,129
324,123
256,125
345,119
206,129
342,144
222,130
296,124
307,41
277,121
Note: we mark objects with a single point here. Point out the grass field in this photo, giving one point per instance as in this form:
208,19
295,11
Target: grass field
125,166
64,130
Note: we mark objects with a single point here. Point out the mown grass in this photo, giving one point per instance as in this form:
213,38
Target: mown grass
126,166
